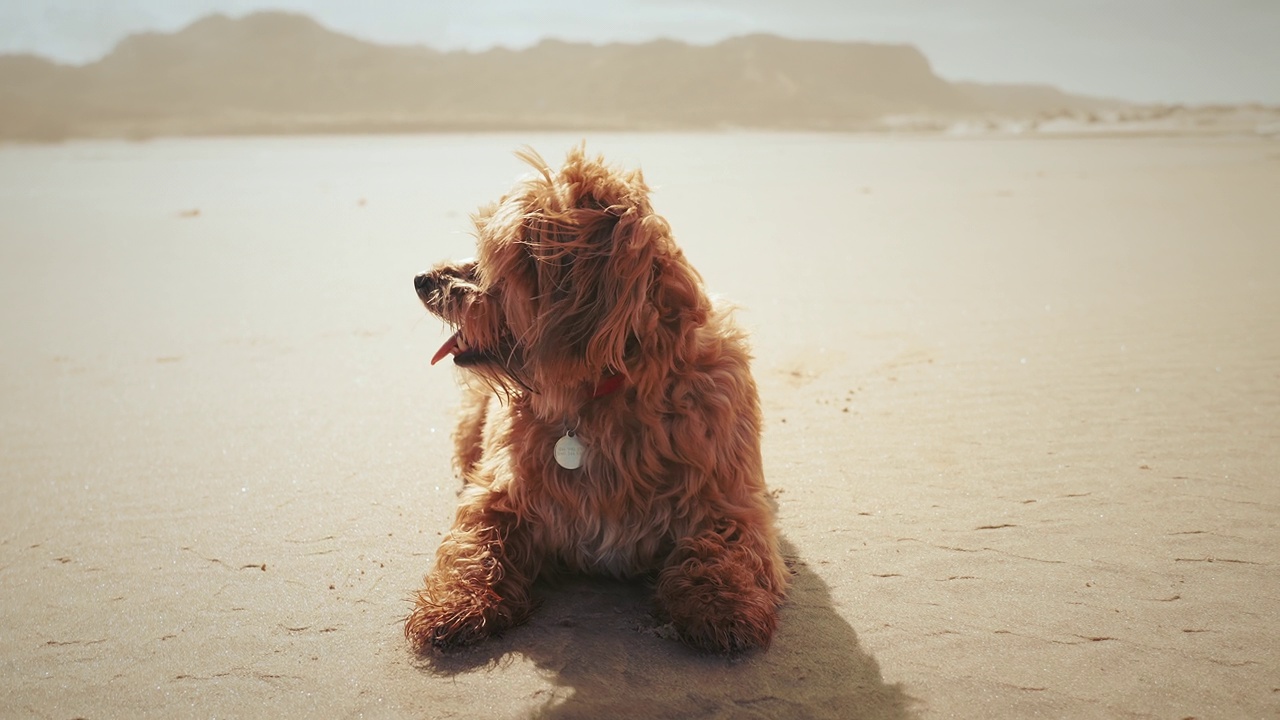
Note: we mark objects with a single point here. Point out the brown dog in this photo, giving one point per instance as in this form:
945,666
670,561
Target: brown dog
616,429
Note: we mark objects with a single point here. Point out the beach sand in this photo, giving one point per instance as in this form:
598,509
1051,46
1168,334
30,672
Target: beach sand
1022,407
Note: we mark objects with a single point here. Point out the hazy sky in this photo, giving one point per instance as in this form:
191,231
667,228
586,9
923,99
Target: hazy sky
1144,50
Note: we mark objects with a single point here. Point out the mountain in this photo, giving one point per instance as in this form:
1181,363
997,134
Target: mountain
1033,99
275,72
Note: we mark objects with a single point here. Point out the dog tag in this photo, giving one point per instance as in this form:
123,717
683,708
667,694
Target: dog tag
568,452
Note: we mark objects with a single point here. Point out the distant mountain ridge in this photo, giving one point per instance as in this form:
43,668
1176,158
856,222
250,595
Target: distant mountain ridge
275,72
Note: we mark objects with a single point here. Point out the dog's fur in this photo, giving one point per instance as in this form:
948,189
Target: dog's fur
581,315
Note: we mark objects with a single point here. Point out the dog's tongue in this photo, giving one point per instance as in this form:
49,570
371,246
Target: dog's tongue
449,347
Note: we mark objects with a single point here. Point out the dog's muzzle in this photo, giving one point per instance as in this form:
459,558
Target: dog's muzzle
425,284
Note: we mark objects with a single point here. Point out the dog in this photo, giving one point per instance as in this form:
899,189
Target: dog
610,421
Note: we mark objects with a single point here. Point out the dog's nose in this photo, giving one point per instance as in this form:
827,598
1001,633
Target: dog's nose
423,283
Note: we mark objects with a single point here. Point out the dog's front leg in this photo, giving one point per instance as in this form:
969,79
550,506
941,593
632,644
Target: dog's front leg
481,579
721,588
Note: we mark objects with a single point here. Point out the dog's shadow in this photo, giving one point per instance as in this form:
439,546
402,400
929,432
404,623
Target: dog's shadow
599,643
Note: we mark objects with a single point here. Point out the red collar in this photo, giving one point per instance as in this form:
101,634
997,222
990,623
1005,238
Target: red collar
610,384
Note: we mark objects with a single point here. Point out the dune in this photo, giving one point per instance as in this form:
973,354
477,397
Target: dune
1021,406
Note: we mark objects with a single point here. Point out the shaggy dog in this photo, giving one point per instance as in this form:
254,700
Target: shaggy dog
614,428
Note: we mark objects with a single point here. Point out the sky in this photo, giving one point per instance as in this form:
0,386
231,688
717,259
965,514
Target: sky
1169,51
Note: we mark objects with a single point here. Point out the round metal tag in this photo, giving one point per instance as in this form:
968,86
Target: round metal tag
569,452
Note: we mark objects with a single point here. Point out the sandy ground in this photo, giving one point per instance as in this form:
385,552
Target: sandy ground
1023,420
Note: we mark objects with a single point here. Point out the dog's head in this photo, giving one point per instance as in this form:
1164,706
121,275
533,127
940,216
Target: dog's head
575,279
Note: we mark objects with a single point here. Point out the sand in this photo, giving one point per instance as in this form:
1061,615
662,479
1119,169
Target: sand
1023,423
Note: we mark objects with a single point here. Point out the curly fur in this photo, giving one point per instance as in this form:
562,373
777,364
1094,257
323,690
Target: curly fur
577,281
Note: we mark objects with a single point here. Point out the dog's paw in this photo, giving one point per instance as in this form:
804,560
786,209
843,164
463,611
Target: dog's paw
720,628
434,627
721,602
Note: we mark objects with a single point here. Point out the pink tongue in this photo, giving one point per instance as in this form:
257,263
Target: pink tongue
449,346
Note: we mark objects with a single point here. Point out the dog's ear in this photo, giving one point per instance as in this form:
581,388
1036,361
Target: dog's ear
588,284
610,279
625,312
